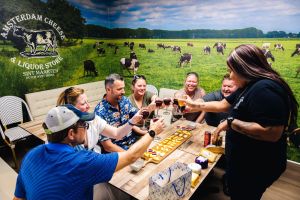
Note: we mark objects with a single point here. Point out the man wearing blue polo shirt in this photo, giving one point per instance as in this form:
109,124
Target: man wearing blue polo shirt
56,171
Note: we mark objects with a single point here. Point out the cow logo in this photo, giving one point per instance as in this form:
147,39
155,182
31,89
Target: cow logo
34,43
33,39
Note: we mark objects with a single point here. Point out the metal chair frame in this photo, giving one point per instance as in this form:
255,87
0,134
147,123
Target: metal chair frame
11,112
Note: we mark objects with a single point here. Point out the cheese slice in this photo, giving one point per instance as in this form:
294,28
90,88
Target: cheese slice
195,179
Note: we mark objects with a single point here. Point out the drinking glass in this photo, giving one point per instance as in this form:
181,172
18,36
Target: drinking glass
145,114
167,102
181,105
158,103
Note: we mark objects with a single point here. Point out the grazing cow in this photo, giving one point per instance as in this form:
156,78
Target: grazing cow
160,45
266,45
220,43
126,44
176,48
130,64
268,54
89,68
101,42
101,51
133,55
278,46
189,44
142,46
185,58
297,51
150,51
131,45
116,49
34,38
206,50
111,45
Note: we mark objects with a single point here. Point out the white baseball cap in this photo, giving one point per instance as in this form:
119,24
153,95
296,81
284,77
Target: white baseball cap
62,117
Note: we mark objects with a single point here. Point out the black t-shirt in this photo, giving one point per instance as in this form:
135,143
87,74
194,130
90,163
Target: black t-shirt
213,118
263,102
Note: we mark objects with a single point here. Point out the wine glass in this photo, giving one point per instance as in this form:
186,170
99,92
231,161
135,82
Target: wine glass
145,114
181,105
167,102
158,103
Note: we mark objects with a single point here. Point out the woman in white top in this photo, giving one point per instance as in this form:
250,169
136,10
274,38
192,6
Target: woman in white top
78,98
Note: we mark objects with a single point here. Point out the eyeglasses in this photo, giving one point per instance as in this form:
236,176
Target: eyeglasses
84,125
138,77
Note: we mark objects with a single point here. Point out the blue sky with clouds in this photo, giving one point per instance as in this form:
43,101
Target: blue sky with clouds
266,15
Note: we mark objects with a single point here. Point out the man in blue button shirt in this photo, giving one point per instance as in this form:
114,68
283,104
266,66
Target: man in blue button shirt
56,171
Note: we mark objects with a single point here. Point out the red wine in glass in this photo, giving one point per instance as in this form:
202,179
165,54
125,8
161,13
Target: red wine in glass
175,102
158,102
145,114
167,101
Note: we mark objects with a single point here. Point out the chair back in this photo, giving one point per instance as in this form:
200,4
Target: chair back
152,88
166,92
11,110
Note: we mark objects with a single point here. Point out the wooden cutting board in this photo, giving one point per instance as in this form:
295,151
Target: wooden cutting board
165,147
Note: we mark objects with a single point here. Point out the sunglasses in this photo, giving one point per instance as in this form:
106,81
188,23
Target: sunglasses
83,125
138,77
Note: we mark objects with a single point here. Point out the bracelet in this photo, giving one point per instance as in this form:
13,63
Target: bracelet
130,123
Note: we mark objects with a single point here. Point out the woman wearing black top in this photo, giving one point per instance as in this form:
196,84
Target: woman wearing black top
260,110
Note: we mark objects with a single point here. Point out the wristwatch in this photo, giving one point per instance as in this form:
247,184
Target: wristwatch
229,121
152,133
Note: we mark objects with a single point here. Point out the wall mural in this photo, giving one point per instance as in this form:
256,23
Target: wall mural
46,44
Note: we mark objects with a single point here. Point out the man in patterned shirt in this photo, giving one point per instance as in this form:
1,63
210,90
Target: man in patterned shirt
116,110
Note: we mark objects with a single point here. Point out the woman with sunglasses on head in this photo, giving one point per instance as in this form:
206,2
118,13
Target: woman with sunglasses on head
78,98
260,111
140,98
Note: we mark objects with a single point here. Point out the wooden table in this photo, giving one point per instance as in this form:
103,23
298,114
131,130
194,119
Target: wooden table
35,128
136,184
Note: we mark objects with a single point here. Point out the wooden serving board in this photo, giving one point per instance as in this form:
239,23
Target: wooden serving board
165,147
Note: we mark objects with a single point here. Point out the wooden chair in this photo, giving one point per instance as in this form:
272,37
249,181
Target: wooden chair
11,113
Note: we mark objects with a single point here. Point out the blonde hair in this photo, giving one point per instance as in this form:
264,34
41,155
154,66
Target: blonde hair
69,96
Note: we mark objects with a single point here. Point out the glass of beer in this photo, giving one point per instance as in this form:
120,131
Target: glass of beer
181,105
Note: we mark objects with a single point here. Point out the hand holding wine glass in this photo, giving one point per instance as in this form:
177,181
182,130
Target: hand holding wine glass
145,113
158,103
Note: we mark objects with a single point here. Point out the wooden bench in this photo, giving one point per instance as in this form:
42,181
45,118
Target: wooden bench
8,178
41,102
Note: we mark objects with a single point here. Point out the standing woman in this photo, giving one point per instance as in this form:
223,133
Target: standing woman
260,111
78,99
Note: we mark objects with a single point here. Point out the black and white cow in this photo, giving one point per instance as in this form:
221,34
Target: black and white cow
142,46
126,44
116,49
185,58
89,68
130,64
151,51
101,51
297,50
278,46
35,38
189,44
220,43
206,50
160,45
131,45
266,45
133,55
268,54
176,49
